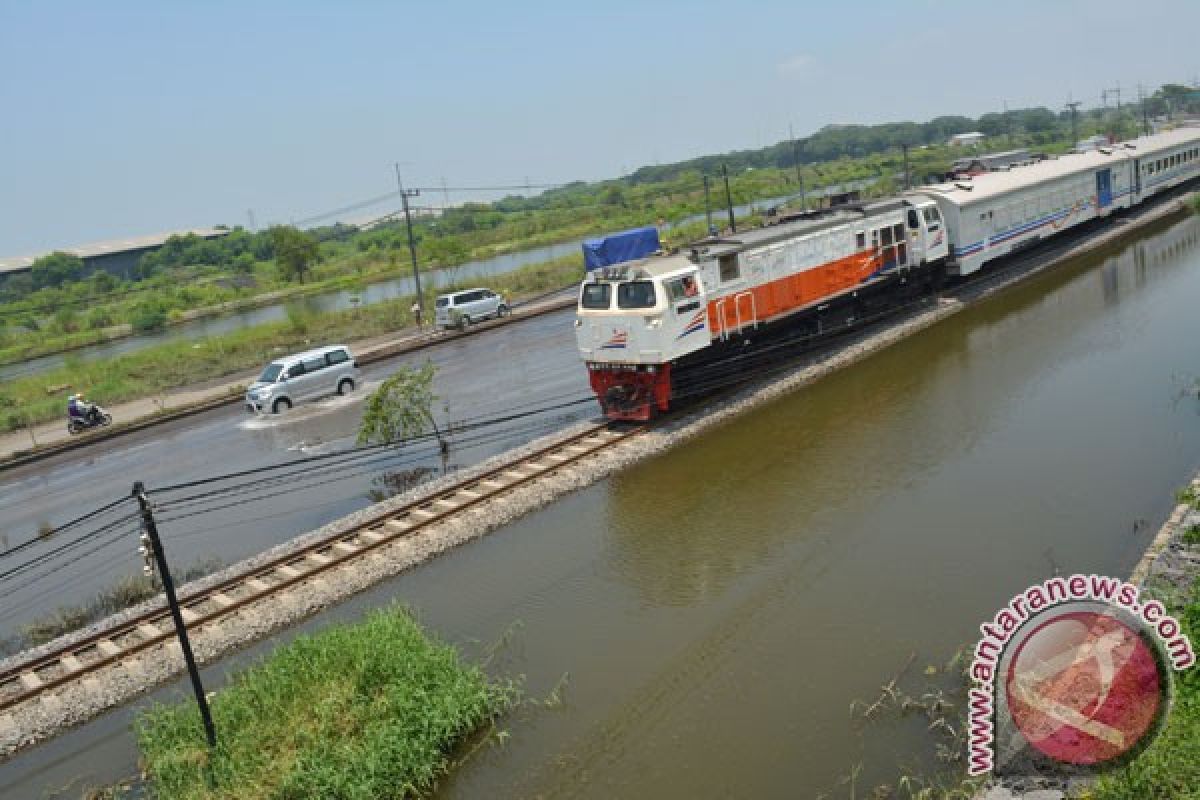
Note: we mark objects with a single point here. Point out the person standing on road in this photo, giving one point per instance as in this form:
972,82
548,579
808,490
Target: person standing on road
416,312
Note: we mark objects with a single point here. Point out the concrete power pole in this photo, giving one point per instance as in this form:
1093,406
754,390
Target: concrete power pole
1145,116
799,175
1073,107
412,245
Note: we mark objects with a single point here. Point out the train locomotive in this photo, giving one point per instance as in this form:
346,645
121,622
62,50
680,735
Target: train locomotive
649,328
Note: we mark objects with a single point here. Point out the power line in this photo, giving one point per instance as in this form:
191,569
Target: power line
63,527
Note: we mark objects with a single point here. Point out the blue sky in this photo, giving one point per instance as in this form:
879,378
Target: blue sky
124,117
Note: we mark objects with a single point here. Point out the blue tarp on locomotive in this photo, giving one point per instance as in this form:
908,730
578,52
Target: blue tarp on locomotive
617,248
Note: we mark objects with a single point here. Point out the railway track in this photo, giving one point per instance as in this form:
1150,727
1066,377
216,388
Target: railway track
28,680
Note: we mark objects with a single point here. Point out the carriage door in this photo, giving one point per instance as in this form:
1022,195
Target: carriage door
1137,178
1104,188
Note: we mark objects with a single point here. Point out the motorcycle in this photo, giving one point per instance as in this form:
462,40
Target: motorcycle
94,417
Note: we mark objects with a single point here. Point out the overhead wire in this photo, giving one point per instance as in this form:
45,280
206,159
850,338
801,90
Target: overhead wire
66,526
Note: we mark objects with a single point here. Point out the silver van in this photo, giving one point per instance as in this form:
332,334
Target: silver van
460,309
303,376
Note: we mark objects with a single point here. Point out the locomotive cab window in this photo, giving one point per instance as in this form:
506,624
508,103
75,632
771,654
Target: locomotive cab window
913,221
730,271
635,294
682,288
596,295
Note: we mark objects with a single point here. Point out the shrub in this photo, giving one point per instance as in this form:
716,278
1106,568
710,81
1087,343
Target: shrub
148,317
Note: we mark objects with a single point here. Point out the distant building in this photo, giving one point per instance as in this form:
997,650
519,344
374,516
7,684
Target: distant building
962,139
118,256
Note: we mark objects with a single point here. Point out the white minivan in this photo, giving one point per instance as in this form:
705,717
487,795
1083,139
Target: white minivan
303,376
460,309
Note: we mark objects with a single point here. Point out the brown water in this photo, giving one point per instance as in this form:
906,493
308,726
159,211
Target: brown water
716,609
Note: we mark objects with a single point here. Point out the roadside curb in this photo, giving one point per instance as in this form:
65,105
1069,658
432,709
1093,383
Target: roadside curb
383,352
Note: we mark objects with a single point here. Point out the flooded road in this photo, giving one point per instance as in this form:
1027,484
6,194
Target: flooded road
526,365
714,611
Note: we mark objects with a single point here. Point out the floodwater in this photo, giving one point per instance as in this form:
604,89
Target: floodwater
712,613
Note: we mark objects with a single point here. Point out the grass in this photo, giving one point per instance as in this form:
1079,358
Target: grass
370,710
153,370
1170,766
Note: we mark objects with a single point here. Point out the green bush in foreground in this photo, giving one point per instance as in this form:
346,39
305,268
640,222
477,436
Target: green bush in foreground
1170,766
370,710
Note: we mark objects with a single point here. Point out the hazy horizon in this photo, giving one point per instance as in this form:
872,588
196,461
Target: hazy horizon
137,118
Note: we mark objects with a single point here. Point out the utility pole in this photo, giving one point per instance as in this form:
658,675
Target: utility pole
799,174
412,245
1073,107
707,207
728,199
1145,116
907,178
151,538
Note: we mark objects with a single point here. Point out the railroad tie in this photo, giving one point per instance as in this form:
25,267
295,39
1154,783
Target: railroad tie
345,548
148,630
31,681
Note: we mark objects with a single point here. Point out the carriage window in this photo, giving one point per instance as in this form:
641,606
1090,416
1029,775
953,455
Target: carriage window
635,294
729,267
898,232
887,236
860,240
596,295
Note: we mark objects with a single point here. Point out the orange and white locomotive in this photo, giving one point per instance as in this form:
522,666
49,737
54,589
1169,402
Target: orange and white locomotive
647,327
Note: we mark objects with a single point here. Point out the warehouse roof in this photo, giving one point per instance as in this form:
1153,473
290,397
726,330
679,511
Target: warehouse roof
111,247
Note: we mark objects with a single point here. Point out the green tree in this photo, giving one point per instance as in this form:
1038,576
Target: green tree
401,408
295,251
243,263
56,269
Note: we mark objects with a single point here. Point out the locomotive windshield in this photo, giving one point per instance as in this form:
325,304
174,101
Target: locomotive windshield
635,294
596,295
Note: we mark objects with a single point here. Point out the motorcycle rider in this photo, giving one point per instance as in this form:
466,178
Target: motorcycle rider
78,408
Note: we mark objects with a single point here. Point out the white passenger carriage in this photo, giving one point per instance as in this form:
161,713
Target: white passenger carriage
997,213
